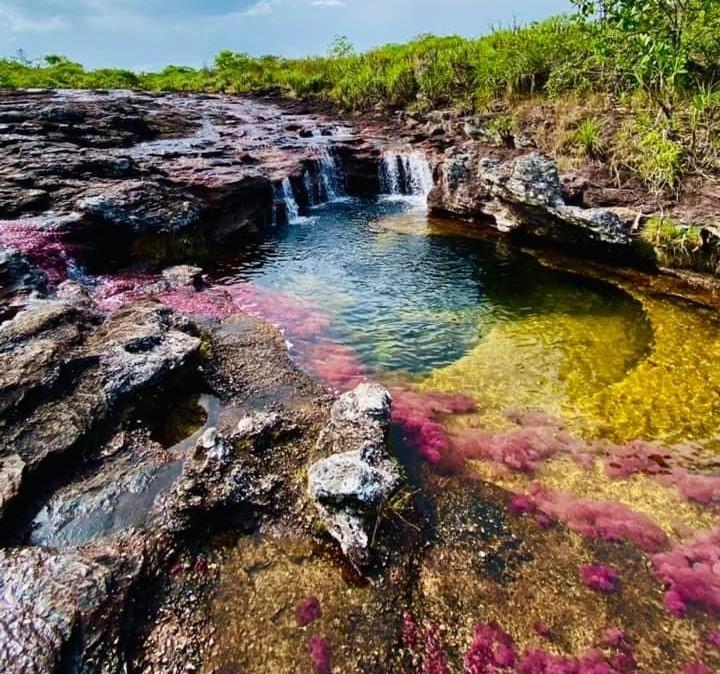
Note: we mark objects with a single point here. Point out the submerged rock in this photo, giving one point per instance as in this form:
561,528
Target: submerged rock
350,486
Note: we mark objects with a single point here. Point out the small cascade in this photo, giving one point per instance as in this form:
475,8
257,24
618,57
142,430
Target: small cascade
285,197
407,174
309,186
332,176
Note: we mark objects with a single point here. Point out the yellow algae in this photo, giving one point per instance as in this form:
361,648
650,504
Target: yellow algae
639,492
673,395
543,362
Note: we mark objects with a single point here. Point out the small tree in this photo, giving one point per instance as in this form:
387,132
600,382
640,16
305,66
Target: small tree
657,43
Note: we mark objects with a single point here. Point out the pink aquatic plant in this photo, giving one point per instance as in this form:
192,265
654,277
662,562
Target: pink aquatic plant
434,661
542,630
213,303
605,520
336,364
308,611
696,667
521,450
522,504
637,457
412,634
492,650
648,459
691,573
600,578
701,489
713,638
419,415
42,244
320,654
425,646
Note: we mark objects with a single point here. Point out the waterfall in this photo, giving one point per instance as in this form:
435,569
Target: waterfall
332,176
309,186
285,195
407,174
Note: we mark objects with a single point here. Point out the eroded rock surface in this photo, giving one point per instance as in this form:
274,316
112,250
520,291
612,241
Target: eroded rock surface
65,609
359,476
524,194
65,369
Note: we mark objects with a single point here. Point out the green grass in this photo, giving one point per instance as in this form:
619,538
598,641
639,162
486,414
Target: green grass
588,137
677,245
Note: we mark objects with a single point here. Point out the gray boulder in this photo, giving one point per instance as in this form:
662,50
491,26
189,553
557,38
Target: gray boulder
351,484
523,194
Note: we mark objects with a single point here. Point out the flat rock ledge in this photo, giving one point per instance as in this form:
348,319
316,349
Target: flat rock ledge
351,484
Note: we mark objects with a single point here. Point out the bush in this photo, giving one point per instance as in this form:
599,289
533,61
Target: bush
649,151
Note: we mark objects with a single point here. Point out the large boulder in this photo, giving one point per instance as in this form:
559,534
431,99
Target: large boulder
359,476
523,194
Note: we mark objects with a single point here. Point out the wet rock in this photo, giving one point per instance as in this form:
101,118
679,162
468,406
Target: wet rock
523,194
18,276
183,276
63,608
142,207
216,477
63,370
116,496
351,484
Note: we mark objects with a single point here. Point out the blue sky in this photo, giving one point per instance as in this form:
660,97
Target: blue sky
148,34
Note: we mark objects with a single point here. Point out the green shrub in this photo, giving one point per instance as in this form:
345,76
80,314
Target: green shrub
679,245
648,149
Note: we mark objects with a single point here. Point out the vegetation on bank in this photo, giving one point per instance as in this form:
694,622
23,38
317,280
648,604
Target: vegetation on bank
635,83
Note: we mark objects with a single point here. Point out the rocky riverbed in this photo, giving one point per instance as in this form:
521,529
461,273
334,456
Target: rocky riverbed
177,494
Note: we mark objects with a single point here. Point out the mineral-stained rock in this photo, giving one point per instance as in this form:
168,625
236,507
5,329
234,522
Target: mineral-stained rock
359,476
66,607
523,194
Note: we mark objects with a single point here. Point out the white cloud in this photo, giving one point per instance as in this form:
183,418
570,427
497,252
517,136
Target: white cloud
260,7
327,3
17,22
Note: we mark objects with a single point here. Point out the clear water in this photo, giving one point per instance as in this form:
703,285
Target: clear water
408,296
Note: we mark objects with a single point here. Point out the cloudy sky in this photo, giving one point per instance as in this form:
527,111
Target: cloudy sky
148,34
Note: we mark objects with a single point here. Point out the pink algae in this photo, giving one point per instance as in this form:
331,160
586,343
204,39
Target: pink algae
320,654
308,611
42,245
600,578
691,573
604,520
419,415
